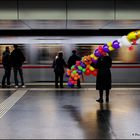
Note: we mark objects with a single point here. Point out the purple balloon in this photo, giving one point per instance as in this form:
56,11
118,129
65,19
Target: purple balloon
94,61
82,64
105,48
115,44
76,67
70,85
67,75
79,72
96,53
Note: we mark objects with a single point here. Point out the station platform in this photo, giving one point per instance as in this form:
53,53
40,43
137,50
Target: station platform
39,112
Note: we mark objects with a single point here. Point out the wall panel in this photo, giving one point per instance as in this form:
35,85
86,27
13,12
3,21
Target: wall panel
128,9
90,9
8,9
42,9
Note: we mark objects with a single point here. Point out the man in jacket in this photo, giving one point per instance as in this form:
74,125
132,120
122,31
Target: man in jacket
7,67
17,59
72,61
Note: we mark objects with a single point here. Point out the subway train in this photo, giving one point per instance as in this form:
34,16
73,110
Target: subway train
40,52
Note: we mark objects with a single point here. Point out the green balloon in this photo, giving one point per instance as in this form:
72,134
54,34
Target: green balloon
72,67
80,68
83,70
74,72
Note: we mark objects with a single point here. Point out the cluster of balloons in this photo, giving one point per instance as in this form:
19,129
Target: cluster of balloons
84,66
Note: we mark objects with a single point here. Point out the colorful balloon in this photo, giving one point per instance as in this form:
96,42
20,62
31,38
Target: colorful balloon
125,42
96,53
115,44
105,48
132,36
84,66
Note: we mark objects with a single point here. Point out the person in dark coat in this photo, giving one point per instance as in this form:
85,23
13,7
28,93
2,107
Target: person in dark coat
6,61
58,65
17,59
72,61
103,80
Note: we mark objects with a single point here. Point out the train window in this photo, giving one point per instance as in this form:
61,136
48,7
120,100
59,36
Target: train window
122,55
2,49
47,53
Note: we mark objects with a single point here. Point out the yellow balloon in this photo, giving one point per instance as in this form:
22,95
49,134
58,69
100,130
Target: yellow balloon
111,48
109,44
132,36
91,68
138,33
92,55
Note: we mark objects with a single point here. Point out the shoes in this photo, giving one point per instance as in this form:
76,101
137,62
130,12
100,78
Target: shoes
23,86
3,86
100,100
16,86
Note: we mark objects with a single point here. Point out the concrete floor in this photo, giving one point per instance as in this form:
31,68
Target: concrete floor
71,114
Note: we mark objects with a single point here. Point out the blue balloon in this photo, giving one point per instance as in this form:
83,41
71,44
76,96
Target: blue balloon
79,72
115,44
82,65
96,53
70,84
105,48
94,61
67,75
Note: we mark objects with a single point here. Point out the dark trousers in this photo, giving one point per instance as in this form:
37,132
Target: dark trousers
6,75
16,70
78,83
101,94
57,76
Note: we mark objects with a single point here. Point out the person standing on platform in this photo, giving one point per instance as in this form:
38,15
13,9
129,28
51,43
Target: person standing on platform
72,61
103,80
58,65
6,61
17,60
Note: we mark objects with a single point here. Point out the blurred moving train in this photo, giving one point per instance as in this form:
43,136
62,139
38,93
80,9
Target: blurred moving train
40,52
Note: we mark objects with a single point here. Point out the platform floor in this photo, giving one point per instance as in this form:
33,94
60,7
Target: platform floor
47,113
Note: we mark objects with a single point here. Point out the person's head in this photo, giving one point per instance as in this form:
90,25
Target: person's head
7,49
60,54
74,51
16,46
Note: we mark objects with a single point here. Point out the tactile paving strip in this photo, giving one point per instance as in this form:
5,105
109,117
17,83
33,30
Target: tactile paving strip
6,105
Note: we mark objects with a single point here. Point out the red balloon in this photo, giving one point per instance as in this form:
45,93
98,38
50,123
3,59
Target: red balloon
77,63
94,73
130,48
134,42
72,82
87,73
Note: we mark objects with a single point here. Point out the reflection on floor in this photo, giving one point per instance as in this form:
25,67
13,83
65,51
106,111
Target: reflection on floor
72,114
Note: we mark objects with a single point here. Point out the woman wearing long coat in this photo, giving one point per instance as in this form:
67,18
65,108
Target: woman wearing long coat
103,81
58,65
